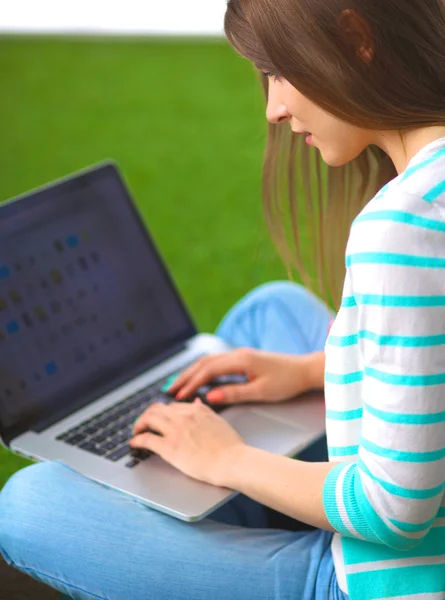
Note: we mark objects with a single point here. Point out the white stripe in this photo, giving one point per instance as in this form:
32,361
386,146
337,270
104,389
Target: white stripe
439,522
402,474
345,433
383,500
394,563
341,504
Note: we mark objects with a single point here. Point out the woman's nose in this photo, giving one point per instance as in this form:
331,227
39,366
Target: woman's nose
276,111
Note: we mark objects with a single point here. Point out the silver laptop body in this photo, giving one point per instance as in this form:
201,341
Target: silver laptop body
89,317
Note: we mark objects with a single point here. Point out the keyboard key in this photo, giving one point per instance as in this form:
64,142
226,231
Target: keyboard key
119,413
97,439
140,453
127,431
162,398
110,430
127,421
170,381
89,430
75,439
104,422
118,438
109,445
92,448
119,453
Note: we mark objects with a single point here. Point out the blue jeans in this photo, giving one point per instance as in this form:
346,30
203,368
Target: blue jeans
89,541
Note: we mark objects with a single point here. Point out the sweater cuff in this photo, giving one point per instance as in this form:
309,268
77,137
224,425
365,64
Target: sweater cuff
330,498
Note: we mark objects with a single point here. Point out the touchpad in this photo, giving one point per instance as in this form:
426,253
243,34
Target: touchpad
265,433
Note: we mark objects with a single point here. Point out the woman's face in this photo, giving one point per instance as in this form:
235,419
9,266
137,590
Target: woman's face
338,142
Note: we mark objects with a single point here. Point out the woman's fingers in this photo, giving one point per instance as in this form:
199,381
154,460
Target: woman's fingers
190,372
232,394
222,366
154,418
148,441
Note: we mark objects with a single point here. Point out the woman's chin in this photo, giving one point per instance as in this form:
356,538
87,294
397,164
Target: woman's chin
333,159
340,156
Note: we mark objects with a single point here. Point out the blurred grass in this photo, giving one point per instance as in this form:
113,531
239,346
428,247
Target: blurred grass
185,121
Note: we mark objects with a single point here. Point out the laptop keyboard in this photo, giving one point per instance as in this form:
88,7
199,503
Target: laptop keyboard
107,433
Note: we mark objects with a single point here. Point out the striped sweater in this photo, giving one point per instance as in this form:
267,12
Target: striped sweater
385,392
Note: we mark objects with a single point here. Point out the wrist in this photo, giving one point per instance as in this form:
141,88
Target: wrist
315,367
229,472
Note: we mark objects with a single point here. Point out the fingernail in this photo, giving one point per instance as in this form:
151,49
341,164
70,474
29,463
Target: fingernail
215,396
180,395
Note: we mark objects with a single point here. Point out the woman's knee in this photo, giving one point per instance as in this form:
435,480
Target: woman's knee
282,290
281,298
22,502
279,294
280,316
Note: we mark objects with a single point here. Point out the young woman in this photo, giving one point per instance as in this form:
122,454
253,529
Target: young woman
365,82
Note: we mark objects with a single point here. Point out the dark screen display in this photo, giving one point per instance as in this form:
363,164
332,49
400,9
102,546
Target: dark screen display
84,297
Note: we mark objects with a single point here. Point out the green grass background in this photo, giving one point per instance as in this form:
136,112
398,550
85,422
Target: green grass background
185,121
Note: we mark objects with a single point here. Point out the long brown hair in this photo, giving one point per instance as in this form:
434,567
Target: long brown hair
402,88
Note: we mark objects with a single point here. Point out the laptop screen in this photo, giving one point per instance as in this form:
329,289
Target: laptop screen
85,301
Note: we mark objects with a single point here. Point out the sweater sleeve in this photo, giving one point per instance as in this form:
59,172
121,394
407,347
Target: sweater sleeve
393,492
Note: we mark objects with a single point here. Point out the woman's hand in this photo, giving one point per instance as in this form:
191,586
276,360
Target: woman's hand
272,377
192,438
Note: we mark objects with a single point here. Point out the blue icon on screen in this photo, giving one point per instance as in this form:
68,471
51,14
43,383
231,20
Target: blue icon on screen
4,272
51,368
72,241
12,327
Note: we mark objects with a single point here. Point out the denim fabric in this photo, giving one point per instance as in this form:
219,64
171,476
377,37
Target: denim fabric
89,541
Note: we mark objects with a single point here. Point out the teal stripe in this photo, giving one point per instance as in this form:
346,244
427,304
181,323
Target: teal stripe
434,545
401,581
365,518
390,258
400,301
342,340
353,509
344,379
402,492
342,450
344,415
401,455
387,340
403,341
408,380
348,302
406,418
413,527
441,512
411,170
398,216
435,192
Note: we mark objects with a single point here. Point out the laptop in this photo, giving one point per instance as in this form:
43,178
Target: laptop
92,331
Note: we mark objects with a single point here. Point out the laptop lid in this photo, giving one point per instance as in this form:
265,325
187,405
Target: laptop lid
86,302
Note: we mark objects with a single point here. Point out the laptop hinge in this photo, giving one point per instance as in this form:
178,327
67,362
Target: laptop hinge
65,411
